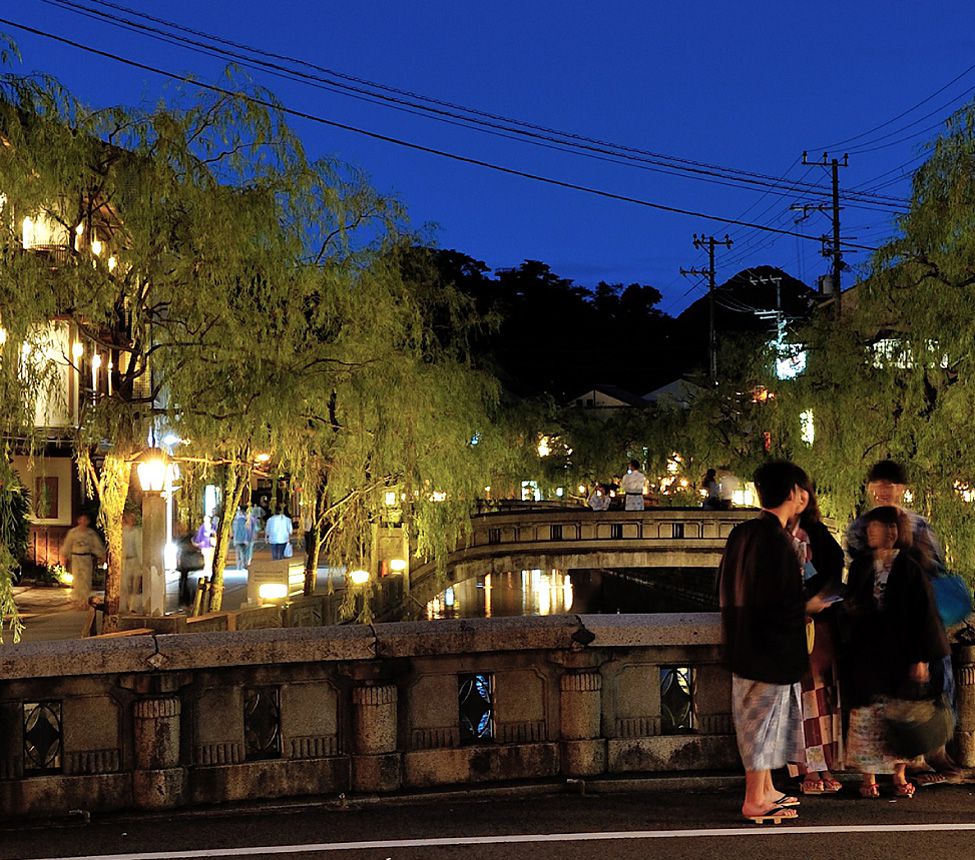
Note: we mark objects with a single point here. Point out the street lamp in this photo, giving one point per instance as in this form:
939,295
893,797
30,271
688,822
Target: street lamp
153,468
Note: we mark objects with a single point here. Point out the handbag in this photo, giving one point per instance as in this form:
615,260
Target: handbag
953,598
918,726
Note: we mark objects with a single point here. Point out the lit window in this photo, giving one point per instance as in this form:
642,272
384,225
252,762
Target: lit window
808,427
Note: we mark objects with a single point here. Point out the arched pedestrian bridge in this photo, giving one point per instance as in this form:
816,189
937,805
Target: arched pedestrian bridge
577,538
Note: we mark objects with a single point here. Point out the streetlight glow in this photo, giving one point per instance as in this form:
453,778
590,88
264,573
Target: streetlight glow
152,469
272,591
359,577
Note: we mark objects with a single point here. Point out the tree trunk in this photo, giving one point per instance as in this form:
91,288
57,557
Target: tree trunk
236,479
315,539
113,489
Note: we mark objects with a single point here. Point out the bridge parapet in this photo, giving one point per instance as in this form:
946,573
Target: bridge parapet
159,721
577,538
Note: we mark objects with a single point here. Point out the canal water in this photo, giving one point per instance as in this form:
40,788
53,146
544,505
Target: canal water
556,592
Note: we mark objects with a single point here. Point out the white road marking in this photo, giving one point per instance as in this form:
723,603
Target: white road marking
443,841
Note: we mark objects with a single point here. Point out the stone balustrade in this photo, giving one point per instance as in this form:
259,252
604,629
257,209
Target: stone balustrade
159,721
574,538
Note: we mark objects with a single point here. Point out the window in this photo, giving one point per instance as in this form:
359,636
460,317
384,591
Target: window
262,722
42,738
475,700
676,700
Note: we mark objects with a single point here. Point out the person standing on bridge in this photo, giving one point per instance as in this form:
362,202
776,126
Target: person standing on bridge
763,620
633,484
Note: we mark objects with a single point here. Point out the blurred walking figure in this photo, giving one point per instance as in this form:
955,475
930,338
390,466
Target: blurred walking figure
895,638
633,485
729,485
244,528
81,550
887,485
710,485
203,541
131,598
278,532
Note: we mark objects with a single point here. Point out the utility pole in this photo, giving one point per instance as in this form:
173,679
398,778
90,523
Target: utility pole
710,242
834,164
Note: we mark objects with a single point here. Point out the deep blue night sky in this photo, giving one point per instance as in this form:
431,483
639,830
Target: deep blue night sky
745,85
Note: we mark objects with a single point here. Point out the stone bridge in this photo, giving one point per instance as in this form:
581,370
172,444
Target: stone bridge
577,538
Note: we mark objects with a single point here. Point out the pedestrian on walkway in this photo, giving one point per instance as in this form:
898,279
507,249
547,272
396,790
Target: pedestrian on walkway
203,541
244,528
599,498
763,614
633,485
895,637
887,484
712,489
131,597
81,550
278,531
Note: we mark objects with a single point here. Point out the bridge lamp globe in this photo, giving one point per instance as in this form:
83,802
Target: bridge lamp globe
359,576
397,565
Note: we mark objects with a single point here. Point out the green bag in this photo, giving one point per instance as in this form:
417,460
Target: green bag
918,727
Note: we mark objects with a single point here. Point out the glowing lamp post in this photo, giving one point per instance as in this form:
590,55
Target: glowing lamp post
153,468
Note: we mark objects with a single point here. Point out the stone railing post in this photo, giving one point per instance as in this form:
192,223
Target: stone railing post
159,779
580,705
964,666
376,763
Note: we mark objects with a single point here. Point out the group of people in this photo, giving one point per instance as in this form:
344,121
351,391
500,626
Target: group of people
632,488
819,661
718,487
144,592
140,591
246,527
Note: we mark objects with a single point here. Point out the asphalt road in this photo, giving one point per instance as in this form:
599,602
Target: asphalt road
939,822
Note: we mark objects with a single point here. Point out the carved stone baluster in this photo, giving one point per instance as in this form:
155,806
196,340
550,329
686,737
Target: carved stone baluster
159,779
580,701
965,684
376,764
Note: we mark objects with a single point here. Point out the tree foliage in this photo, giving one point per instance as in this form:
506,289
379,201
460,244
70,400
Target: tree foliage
248,298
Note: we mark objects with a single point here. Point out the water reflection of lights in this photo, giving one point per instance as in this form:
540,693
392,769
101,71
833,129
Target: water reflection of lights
541,592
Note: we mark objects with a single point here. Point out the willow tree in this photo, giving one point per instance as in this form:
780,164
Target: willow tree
154,222
896,377
394,409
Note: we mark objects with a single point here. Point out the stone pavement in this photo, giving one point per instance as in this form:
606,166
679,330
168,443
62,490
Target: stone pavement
48,615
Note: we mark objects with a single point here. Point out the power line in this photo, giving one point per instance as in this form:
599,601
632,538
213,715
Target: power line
409,144
663,163
869,143
892,120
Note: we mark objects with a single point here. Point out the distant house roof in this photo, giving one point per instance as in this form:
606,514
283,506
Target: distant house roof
606,396
677,392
